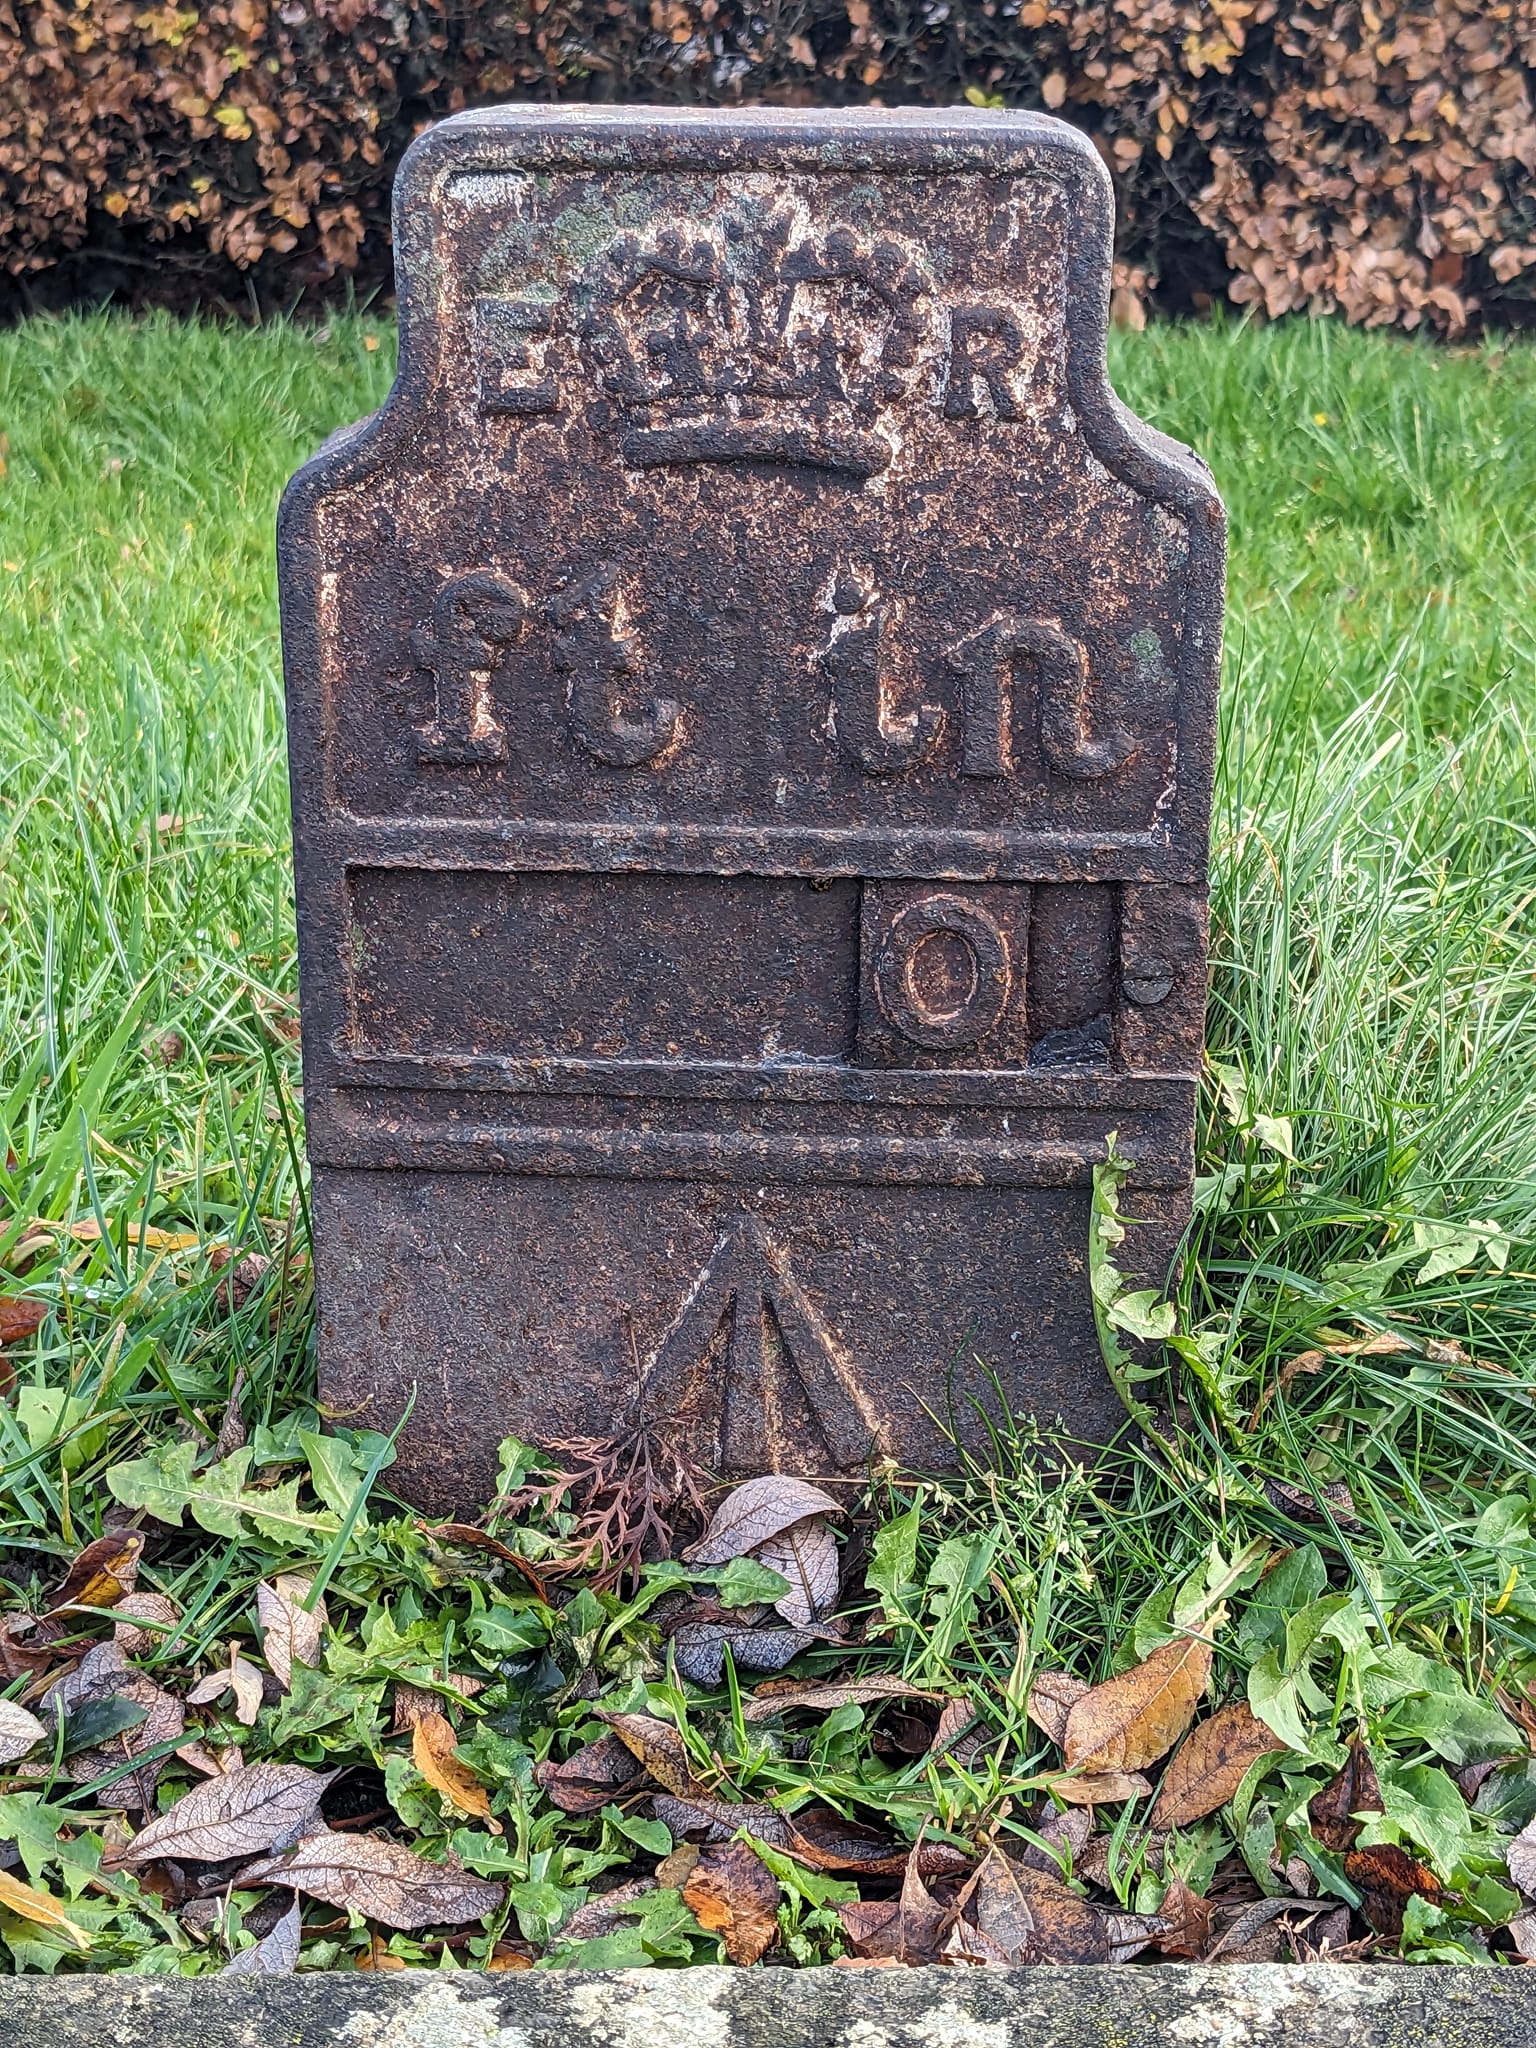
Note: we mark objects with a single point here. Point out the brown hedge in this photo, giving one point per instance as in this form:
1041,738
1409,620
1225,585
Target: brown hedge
1357,156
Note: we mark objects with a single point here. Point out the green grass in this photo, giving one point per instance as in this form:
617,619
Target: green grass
1372,1025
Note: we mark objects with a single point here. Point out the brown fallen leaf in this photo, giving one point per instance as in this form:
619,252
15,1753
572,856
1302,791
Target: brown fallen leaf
806,1554
733,1893
133,1608
1187,1918
468,1537
504,1957
131,1231
661,1750
1066,1832
290,1633
1251,1936
1303,1502
381,1879
241,1813
276,1954
412,1703
825,1841
700,1647
1133,1719
1130,1933
672,1871
1355,1790
104,1673
39,1908
1214,1760
965,1944
602,1916
957,1717
754,1512
591,1778
1520,1859
1098,1788
19,1317
377,1957
237,1677
900,1930
771,1700
212,1763
718,1821
434,1751
1052,1696
1386,1878
19,1731
1067,1928
1001,1913
103,1572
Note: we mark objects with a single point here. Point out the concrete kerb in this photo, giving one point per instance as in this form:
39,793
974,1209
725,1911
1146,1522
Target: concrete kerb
1247,2006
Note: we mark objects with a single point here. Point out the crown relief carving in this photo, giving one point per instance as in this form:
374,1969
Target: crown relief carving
755,339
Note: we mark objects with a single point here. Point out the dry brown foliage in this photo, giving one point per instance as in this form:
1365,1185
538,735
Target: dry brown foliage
1370,157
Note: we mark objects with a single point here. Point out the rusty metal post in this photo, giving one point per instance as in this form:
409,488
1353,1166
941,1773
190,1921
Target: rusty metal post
751,695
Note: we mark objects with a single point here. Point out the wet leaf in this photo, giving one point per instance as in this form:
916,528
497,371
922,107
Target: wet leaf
412,1703
19,1317
468,1537
660,1749
1332,1811
806,1554
700,1647
276,1954
149,1607
1130,1933
1386,1878
824,1840
102,1674
1520,1857
600,1917
1052,1696
901,1930
1099,1788
381,1879
19,1731
263,1806
754,1512
290,1633
39,1908
103,1572
592,1777
733,1893
1252,1937
434,1751
1303,1503
1067,1929
1186,1918
1215,1759
770,1700
718,1820
1000,1910
237,1677
1135,1718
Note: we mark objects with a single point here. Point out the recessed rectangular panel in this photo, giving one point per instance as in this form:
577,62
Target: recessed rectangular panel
605,967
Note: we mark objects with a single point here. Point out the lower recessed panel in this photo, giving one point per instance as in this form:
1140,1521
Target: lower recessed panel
806,1329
